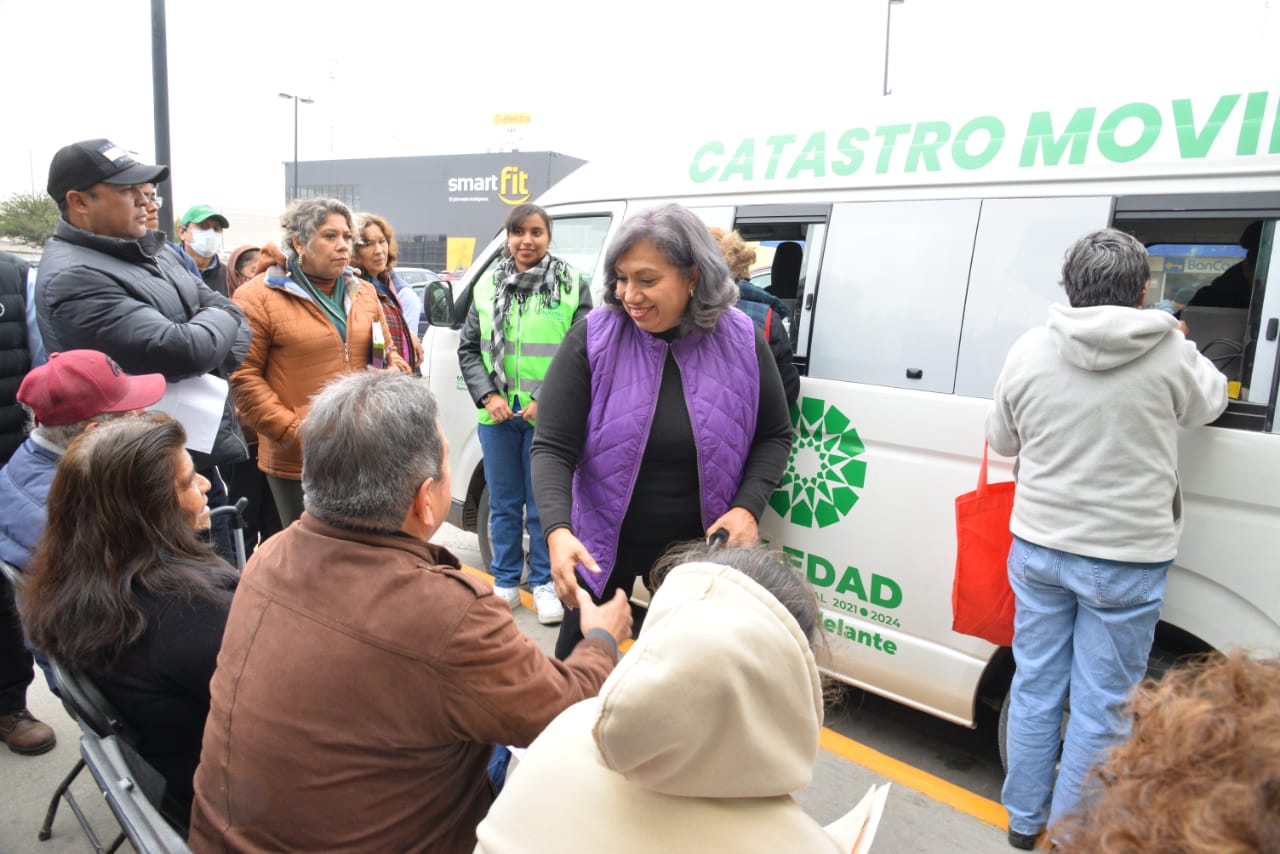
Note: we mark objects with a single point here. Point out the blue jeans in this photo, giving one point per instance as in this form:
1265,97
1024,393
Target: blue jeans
1083,627
509,475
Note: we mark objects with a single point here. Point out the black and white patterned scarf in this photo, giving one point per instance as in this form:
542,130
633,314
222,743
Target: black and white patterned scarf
544,281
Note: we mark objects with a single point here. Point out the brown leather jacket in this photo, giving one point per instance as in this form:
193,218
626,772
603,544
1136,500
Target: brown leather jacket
362,683
295,351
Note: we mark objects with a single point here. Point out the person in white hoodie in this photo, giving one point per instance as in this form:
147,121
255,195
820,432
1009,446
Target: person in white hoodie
1090,403
700,736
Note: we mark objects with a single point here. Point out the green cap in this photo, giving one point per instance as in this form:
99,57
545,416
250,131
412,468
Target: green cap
200,213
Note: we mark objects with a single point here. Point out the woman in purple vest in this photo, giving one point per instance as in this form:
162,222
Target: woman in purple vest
662,417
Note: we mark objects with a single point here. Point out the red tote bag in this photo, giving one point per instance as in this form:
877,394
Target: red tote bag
981,600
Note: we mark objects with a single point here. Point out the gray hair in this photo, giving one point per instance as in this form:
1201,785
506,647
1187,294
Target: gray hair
368,443
1105,267
761,564
61,435
302,219
685,242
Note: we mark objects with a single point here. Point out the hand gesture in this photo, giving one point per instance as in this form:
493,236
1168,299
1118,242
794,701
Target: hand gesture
613,616
566,553
741,526
496,406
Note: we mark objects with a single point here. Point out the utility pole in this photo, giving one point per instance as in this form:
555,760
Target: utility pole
160,104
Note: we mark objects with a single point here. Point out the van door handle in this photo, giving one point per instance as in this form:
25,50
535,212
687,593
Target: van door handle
914,373
1273,328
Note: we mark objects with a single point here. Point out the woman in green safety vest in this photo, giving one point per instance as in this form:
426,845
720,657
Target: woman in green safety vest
518,317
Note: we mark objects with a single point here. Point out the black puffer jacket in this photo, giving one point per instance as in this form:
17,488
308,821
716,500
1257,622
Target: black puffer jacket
134,301
15,361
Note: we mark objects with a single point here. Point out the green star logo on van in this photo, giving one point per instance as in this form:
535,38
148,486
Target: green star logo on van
823,471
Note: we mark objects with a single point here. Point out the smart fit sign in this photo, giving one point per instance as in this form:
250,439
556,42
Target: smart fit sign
1227,127
511,186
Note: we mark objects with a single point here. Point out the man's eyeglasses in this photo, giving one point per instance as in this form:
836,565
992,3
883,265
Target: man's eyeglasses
153,199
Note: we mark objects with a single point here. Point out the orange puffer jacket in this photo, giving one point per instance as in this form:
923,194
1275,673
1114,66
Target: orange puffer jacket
295,351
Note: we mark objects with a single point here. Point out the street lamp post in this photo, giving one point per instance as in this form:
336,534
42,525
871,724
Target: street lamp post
296,99
888,19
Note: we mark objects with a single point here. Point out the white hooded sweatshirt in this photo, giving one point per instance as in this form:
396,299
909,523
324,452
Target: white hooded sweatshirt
695,744
1090,404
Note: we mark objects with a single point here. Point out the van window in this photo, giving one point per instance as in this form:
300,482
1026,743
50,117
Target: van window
891,296
788,241
1188,279
1201,269
1015,277
1179,270
579,240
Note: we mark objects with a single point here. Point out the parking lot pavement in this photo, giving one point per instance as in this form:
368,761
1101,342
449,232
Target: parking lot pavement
914,821
28,783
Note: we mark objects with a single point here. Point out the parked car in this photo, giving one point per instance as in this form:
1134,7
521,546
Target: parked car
418,277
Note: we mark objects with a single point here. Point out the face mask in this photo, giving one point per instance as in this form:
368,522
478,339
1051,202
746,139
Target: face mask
205,243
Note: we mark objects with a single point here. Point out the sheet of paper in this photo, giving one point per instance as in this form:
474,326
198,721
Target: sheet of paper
863,845
857,828
196,404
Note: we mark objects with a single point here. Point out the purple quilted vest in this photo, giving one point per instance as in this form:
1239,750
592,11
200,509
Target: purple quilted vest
720,373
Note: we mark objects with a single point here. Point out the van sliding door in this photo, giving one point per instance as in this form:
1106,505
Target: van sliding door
1017,267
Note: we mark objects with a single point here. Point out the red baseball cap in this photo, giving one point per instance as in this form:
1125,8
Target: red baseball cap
77,385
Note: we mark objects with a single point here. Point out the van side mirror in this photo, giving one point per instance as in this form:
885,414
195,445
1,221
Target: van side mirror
438,304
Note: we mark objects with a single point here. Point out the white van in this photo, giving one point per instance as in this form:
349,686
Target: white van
929,242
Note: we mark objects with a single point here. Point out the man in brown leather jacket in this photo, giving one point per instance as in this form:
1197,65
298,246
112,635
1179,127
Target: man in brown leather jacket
364,678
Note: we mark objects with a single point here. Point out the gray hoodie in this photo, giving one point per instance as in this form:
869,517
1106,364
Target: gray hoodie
1090,403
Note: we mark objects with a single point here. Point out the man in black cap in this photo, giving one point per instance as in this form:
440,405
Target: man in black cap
107,283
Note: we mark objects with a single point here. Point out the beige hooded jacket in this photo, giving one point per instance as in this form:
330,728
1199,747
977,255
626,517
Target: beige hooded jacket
696,741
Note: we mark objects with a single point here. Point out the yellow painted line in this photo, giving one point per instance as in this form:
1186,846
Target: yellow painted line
936,788
526,598
912,777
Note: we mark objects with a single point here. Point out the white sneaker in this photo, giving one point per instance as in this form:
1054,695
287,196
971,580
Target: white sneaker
550,611
510,594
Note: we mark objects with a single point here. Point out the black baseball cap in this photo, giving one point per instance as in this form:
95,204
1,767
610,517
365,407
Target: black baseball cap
80,165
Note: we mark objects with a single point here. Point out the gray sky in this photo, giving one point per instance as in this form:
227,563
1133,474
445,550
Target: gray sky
400,78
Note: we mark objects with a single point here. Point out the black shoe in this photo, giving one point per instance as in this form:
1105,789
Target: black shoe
1023,841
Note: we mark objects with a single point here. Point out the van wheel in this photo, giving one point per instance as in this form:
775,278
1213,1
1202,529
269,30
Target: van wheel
1158,662
482,530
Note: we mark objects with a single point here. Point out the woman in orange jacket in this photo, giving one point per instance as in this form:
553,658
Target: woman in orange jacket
312,319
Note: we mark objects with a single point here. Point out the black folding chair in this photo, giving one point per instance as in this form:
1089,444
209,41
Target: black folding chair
237,523
97,718
126,779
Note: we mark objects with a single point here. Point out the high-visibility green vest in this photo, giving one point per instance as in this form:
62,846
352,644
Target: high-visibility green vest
532,337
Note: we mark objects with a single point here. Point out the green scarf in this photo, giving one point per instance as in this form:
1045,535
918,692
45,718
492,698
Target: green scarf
331,305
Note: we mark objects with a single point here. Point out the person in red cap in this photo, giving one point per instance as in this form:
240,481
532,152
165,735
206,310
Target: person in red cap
66,396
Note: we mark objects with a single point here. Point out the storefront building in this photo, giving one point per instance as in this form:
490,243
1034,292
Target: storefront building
441,207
